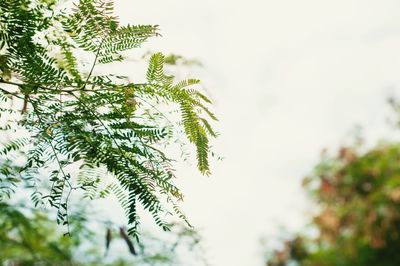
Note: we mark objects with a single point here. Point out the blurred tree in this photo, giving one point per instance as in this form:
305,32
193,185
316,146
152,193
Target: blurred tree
29,237
357,198
28,240
61,112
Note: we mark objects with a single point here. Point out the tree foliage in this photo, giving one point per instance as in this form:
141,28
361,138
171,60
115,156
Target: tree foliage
357,194
102,123
29,237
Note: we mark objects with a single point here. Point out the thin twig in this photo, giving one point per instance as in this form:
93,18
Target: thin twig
65,178
12,93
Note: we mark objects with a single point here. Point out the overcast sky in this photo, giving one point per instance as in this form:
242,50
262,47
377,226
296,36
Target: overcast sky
288,78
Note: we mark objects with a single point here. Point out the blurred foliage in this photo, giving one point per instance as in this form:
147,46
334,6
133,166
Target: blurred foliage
357,198
28,240
29,237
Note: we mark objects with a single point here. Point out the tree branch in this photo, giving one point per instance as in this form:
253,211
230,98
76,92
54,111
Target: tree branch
11,93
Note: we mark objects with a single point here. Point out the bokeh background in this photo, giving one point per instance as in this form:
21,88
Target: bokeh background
288,78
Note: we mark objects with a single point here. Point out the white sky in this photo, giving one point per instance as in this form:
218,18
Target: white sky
288,78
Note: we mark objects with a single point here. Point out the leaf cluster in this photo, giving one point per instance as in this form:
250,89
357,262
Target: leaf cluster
98,123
